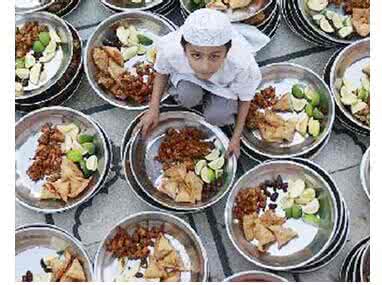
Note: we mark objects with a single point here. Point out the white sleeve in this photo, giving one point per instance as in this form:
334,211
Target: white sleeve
246,82
161,64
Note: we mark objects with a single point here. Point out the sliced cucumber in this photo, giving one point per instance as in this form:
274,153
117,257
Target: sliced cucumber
317,5
314,127
326,26
199,166
35,73
213,155
123,35
329,14
345,32
337,21
22,73
302,124
298,104
217,163
312,207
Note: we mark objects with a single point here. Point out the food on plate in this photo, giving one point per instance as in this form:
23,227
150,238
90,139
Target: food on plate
65,266
124,64
58,5
263,211
192,166
148,254
355,21
279,118
65,159
357,100
221,5
37,46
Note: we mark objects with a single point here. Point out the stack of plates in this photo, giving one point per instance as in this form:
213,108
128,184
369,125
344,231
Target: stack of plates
139,160
300,21
266,17
183,238
163,7
356,266
65,82
27,133
348,64
365,172
308,252
36,241
61,8
283,76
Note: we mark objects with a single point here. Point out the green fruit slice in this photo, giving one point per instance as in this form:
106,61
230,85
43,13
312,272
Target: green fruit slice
20,63
297,91
219,173
29,61
207,175
312,207
217,163
311,219
288,213
74,155
309,110
38,47
302,124
83,138
213,155
199,166
90,147
44,38
317,114
298,104
87,172
286,202
92,163
296,211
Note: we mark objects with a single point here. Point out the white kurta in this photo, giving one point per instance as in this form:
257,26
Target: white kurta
237,79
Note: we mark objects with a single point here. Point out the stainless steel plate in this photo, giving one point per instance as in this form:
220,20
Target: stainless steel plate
283,76
148,171
57,67
304,11
181,236
311,242
127,5
255,276
27,134
142,21
29,6
237,15
348,65
35,241
365,172
365,265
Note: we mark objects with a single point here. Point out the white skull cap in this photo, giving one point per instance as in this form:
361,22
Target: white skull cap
207,27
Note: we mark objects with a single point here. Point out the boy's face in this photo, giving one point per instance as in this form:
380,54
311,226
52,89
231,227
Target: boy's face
205,61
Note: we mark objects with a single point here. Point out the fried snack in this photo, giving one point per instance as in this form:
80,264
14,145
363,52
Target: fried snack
283,104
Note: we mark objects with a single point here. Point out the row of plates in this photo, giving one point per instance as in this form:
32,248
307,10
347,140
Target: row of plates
356,265
299,20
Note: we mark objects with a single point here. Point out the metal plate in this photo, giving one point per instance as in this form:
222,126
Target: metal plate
365,172
268,14
27,134
142,21
64,10
148,171
356,277
29,6
236,15
255,276
348,65
126,5
35,241
347,261
312,241
283,76
303,12
64,88
271,28
56,68
181,236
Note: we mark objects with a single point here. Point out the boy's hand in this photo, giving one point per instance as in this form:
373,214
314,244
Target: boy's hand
234,147
149,121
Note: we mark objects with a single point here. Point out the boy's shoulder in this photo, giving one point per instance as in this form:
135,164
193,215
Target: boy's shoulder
240,58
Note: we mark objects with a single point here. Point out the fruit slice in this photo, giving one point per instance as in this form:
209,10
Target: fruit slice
288,213
349,99
46,57
38,47
337,21
29,60
54,36
217,163
317,114
313,97
207,175
22,73
146,41
296,188
307,196
20,63
129,52
314,127
309,110
357,107
213,155
74,155
123,35
311,219
312,207
87,172
51,47
297,91
296,211
345,32
90,147
317,5
92,163
298,104
302,124
362,94
317,18
35,73
199,166
44,38
141,49
329,14
326,26
348,21
286,202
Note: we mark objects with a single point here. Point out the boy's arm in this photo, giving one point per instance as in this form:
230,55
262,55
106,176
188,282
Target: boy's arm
234,147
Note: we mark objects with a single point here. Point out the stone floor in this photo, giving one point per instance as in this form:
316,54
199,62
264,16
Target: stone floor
92,220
